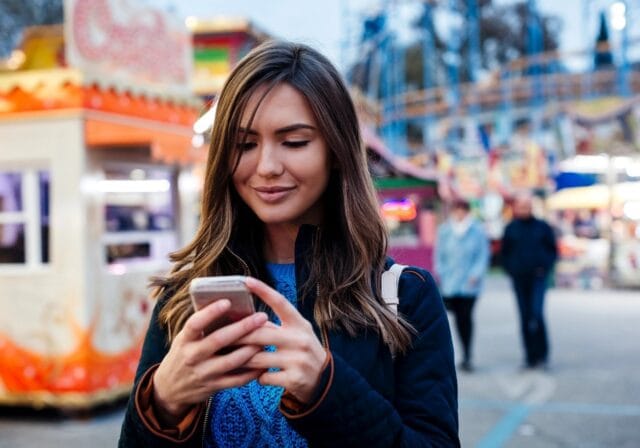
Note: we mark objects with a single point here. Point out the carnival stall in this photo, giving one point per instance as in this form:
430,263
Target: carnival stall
599,229
408,197
96,188
218,44
596,207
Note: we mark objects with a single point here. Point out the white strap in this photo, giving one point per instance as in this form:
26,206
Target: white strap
390,281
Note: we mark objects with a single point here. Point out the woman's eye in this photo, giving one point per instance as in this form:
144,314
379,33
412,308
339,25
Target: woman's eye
246,146
296,144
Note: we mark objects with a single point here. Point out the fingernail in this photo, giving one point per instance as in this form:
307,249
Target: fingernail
259,318
250,281
223,304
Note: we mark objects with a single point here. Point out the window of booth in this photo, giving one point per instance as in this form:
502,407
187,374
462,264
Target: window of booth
24,217
139,216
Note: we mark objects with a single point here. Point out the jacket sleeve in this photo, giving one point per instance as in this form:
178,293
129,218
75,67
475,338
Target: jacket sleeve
424,411
134,432
482,253
551,245
506,249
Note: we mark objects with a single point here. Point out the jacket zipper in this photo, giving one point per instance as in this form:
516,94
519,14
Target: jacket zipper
205,423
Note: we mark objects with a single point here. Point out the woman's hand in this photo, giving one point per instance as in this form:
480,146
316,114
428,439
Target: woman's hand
191,371
299,355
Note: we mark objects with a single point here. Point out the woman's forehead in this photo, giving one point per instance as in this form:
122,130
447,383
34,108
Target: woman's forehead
277,105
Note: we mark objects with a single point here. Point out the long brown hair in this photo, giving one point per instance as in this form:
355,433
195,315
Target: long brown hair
349,247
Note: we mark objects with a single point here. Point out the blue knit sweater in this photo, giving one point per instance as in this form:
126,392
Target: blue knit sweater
248,416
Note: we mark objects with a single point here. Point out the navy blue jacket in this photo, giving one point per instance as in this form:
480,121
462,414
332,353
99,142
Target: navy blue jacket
528,247
370,399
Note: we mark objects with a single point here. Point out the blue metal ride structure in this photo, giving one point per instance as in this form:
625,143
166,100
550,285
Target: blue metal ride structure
387,83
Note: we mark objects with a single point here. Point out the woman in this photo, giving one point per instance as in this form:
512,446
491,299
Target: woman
288,200
461,262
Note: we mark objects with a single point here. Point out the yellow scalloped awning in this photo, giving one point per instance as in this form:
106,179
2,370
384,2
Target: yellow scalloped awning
593,197
114,115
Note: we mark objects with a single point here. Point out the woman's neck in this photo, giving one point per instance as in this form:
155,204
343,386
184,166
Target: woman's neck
280,243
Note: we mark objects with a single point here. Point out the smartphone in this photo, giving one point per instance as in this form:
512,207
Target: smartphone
206,290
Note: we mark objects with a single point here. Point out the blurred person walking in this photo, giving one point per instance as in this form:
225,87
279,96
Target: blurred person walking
461,261
528,254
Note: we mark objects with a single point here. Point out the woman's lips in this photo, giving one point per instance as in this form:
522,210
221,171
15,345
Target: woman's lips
273,194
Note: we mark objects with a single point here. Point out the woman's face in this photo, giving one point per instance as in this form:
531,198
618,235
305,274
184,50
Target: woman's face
284,162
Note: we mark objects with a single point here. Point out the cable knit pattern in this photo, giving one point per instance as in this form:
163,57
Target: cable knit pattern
248,416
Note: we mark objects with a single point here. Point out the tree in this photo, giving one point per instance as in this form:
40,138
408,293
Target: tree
17,14
504,37
603,57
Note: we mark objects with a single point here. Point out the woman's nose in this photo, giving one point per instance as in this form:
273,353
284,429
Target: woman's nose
269,163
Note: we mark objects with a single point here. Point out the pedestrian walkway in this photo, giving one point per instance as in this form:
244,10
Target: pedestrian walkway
589,397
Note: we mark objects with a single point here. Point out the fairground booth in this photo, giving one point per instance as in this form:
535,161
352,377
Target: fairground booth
596,207
408,200
96,188
218,44
407,193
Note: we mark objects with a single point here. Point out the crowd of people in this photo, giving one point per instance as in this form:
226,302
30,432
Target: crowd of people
528,251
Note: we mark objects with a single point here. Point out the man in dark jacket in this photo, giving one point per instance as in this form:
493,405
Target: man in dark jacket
528,254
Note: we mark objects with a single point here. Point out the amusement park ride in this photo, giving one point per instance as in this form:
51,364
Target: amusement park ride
523,88
521,126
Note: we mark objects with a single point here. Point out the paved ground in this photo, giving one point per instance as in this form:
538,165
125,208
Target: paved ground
589,398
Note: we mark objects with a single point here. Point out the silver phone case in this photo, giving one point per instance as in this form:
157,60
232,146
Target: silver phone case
205,290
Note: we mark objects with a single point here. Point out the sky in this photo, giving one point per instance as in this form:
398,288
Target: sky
329,25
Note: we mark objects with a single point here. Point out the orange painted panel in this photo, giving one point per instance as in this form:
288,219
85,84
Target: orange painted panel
166,146
85,369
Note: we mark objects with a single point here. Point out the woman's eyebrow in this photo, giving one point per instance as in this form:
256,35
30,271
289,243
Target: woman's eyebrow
242,130
294,127
283,130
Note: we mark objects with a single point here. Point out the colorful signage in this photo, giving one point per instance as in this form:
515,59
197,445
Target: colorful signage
132,43
401,210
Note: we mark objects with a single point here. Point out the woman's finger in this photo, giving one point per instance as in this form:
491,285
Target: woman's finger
236,379
276,301
220,365
264,335
270,378
195,326
229,334
268,360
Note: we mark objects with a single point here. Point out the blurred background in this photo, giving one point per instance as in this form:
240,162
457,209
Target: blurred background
105,110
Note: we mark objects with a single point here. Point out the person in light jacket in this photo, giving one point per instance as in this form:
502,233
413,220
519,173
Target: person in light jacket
461,261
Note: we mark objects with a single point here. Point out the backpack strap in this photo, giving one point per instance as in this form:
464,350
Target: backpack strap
390,281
